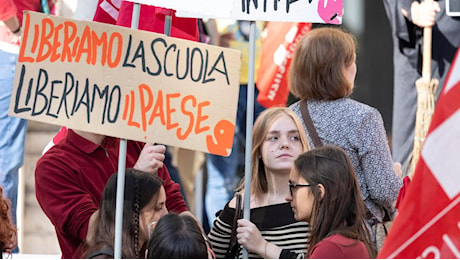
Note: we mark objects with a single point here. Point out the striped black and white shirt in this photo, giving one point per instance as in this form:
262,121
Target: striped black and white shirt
276,224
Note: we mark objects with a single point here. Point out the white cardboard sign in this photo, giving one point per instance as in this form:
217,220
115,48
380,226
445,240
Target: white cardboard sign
315,11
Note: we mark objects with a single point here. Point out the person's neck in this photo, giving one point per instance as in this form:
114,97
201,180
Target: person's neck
278,188
95,138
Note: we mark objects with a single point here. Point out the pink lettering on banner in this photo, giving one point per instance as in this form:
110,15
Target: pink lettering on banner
330,11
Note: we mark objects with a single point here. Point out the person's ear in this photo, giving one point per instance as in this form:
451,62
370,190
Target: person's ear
322,190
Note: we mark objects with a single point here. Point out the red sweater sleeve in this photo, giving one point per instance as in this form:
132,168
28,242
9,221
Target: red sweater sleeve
174,199
7,9
62,198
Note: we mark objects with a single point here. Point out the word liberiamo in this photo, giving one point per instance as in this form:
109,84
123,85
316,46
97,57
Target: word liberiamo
61,42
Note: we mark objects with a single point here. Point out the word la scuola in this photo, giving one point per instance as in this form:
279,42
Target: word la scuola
155,57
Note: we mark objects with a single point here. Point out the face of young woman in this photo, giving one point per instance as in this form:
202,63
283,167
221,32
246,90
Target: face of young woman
150,214
281,145
302,198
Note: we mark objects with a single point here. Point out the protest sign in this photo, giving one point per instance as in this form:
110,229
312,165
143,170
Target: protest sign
126,83
321,11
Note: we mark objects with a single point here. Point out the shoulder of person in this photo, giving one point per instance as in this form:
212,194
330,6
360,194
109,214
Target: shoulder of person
363,106
361,110
232,202
295,105
327,248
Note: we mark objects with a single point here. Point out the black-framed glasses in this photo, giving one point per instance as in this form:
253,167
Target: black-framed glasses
294,186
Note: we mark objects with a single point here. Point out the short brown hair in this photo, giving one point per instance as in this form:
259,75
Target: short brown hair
319,62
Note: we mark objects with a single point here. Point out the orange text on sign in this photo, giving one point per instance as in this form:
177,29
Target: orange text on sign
61,42
161,107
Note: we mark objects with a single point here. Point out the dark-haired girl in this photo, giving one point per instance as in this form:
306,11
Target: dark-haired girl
144,204
324,191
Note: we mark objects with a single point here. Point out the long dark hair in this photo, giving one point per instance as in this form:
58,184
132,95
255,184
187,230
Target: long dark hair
341,210
140,188
177,236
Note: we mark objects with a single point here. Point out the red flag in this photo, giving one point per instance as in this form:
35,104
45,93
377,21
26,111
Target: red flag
428,223
272,80
151,18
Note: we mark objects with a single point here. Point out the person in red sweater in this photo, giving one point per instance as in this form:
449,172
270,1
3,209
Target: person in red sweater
324,191
71,175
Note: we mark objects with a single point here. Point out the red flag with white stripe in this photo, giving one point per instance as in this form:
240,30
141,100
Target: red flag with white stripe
428,223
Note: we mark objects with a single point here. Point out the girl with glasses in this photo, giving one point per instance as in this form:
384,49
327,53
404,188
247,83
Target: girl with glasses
324,192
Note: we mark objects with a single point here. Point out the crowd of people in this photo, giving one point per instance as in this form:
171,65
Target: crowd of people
323,175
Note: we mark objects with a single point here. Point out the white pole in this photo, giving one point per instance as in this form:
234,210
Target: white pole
168,22
120,198
122,167
249,123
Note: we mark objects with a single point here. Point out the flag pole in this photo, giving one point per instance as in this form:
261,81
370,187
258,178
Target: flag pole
426,99
249,123
122,167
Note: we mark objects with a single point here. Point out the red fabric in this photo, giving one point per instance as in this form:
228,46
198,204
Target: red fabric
276,56
427,225
403,191
339,247
151,18
9,8
60,135
70,178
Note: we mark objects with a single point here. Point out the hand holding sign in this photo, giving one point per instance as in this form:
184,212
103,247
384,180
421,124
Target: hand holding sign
151,158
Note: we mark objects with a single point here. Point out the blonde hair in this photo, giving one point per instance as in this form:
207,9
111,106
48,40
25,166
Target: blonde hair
317,70
261,127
